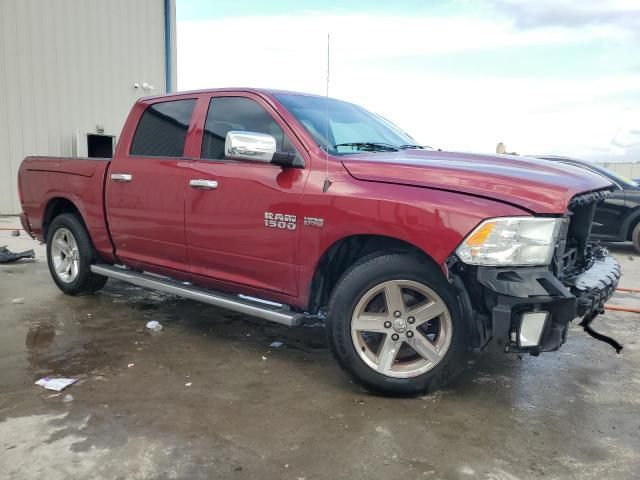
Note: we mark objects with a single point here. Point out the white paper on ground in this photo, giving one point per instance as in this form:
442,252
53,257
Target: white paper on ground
56,384
154,325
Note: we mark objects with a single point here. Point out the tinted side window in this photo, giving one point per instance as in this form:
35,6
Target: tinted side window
238,113
162,129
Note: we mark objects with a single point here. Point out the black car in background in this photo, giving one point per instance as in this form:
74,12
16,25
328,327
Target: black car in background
617,219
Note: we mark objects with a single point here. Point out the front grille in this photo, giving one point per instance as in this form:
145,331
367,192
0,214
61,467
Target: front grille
573,253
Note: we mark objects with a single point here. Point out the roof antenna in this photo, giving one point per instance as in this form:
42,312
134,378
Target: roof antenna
327,181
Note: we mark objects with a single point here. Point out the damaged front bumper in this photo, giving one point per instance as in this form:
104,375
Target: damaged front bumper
528,309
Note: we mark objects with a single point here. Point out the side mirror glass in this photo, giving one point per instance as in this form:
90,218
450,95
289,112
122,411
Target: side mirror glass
256,147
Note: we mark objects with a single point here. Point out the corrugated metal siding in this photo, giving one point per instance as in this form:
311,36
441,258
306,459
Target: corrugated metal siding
67,66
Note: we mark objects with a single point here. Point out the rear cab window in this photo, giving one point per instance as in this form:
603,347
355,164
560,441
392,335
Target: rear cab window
162,129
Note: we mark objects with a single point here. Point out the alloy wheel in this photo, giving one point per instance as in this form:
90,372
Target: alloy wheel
401,328
65,255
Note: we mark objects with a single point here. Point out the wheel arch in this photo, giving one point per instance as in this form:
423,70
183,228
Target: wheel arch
346,251
632,220
57,206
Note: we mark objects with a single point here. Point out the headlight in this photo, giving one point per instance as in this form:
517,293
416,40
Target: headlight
515,241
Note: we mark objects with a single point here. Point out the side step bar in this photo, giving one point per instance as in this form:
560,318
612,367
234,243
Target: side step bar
265,310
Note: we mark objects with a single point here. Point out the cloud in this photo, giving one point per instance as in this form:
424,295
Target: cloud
461,111
620,14
627,138
614,155
376,36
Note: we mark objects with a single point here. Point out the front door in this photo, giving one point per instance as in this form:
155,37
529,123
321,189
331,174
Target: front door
244,228
145,189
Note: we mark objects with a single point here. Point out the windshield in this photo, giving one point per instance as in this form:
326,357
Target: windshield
351,129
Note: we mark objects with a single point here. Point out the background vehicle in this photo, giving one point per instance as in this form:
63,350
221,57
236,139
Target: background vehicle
617,218
289,206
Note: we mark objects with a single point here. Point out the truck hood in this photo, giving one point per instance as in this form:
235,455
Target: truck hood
540,186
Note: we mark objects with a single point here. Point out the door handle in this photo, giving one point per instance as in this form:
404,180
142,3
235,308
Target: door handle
121,177
203,184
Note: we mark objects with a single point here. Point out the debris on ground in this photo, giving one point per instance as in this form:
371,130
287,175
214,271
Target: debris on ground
276,344
18,300
68,398
264,358
7,255
188,384
56,384
154,326
15,233
131,365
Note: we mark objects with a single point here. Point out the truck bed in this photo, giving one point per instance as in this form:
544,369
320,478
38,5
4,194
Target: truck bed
48,185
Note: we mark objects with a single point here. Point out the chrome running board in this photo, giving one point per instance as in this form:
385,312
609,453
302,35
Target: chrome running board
266,311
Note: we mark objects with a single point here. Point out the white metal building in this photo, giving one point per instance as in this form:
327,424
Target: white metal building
70,71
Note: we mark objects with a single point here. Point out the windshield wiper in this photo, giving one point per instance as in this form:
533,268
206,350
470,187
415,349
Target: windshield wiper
369,146
412,147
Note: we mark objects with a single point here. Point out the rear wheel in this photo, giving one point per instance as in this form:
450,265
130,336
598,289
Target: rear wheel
70,254
394,325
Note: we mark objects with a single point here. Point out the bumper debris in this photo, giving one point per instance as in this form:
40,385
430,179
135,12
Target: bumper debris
7,255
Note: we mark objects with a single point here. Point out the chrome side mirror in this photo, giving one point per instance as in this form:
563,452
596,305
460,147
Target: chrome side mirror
256,147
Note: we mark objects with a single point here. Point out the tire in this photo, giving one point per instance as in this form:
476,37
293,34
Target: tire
635,238
75,259
422,286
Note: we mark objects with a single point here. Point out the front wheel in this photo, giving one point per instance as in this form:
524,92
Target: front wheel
70,254
394,325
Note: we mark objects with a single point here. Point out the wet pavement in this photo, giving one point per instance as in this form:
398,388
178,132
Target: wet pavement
207,397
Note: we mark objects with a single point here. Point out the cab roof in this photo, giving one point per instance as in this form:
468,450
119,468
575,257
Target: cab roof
257,91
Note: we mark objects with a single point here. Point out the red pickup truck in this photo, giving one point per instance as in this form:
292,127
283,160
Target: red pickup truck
294,207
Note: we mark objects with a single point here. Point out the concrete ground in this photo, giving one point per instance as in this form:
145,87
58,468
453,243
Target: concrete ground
208,398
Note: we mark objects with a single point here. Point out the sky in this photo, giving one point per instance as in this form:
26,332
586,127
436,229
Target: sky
543,76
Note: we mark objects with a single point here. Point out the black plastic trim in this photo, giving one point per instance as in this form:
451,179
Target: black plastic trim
507,293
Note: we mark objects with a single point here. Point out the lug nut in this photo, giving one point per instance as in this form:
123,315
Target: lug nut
409,334
411,319
387,324
395,337
396,314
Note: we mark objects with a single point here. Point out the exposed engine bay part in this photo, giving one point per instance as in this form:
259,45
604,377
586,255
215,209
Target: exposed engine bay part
593,289
7,256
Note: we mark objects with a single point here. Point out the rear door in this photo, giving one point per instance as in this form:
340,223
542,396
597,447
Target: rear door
145,188
233,232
